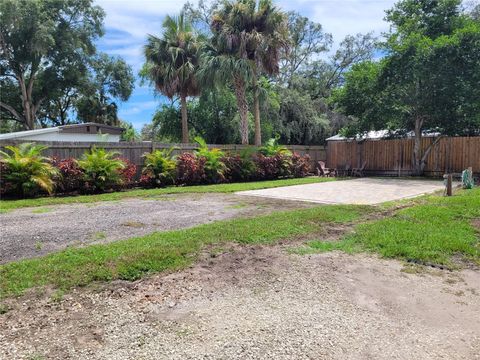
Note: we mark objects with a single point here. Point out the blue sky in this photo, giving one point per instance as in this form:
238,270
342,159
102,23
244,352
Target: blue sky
128,22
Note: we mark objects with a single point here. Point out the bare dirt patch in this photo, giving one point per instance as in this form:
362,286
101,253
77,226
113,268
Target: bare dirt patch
32,232
257,303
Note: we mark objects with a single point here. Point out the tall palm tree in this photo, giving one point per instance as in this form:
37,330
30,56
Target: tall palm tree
247,41
172,63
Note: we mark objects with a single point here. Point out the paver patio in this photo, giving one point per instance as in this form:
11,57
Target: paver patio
364,191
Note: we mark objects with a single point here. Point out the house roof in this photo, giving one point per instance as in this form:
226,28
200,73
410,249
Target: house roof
379,134
64,128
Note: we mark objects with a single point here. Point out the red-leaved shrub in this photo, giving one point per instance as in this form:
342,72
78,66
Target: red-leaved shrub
190,169
6,187
128,174
71,177
239,167
300,166
273,167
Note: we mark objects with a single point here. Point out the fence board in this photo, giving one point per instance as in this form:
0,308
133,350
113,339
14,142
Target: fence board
395,157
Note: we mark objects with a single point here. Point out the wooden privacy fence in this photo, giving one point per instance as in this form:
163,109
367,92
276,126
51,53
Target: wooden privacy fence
133,151
395,157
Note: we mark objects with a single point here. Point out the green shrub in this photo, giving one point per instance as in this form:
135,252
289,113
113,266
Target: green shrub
159,169
273,148
102,170
26,170
213,166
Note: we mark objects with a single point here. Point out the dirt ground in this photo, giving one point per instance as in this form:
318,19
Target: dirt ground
32,232
257,303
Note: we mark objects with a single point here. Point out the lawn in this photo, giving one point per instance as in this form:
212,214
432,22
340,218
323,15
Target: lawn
6,205
437,230
132,258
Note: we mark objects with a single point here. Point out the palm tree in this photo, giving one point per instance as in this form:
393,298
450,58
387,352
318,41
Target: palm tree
172,63
247,40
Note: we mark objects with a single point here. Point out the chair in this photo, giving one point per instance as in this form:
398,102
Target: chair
345,171
324,171
359,171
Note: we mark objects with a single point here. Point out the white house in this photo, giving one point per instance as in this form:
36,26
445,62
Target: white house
87,132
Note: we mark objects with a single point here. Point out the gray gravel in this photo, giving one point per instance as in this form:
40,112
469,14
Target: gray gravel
32,232
258,303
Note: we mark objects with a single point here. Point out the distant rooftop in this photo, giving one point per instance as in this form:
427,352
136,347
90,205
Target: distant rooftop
89,127
379,134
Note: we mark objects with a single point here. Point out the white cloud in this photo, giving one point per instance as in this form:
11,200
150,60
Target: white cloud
344,17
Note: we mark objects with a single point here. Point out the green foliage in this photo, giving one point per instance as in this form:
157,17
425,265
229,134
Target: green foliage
272,148
101,169
159,167
48,44
129,134
110,79
27,170
213,166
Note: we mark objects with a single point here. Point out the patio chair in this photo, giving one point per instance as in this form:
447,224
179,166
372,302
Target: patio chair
324,171
345,171
359,171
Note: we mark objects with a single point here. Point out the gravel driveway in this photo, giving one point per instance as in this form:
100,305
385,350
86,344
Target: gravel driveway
32,232
258,303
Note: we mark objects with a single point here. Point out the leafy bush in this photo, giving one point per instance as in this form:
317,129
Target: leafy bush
214,168
273,167
71,176
128,173
26,171
273,148
240,167
300,165
190,169
101,170
159,169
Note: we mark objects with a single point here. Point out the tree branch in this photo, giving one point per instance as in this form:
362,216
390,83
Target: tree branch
12,111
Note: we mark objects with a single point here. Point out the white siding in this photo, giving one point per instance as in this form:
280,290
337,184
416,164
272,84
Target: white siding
58,136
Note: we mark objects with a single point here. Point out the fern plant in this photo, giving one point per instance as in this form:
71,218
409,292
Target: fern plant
159,168
27,170
102,169
272,148
214,166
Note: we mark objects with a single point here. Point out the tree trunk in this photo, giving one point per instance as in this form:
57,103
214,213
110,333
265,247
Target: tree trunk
256,112
183,99
242,107
418,161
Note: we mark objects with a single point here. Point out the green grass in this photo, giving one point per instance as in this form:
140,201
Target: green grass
132,258
434,231
7,205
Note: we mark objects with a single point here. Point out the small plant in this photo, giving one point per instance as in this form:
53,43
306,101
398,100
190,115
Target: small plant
101,169
71,176
26,170
273,148
214,166
159,168
57,296
4,308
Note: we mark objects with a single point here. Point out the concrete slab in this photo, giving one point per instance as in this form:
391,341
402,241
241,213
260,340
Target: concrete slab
364,191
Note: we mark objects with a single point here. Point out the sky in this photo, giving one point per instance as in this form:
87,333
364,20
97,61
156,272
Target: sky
128,22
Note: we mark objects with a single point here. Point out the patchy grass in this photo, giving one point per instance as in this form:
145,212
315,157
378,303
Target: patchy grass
42,210
437,230
130,259
6,205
